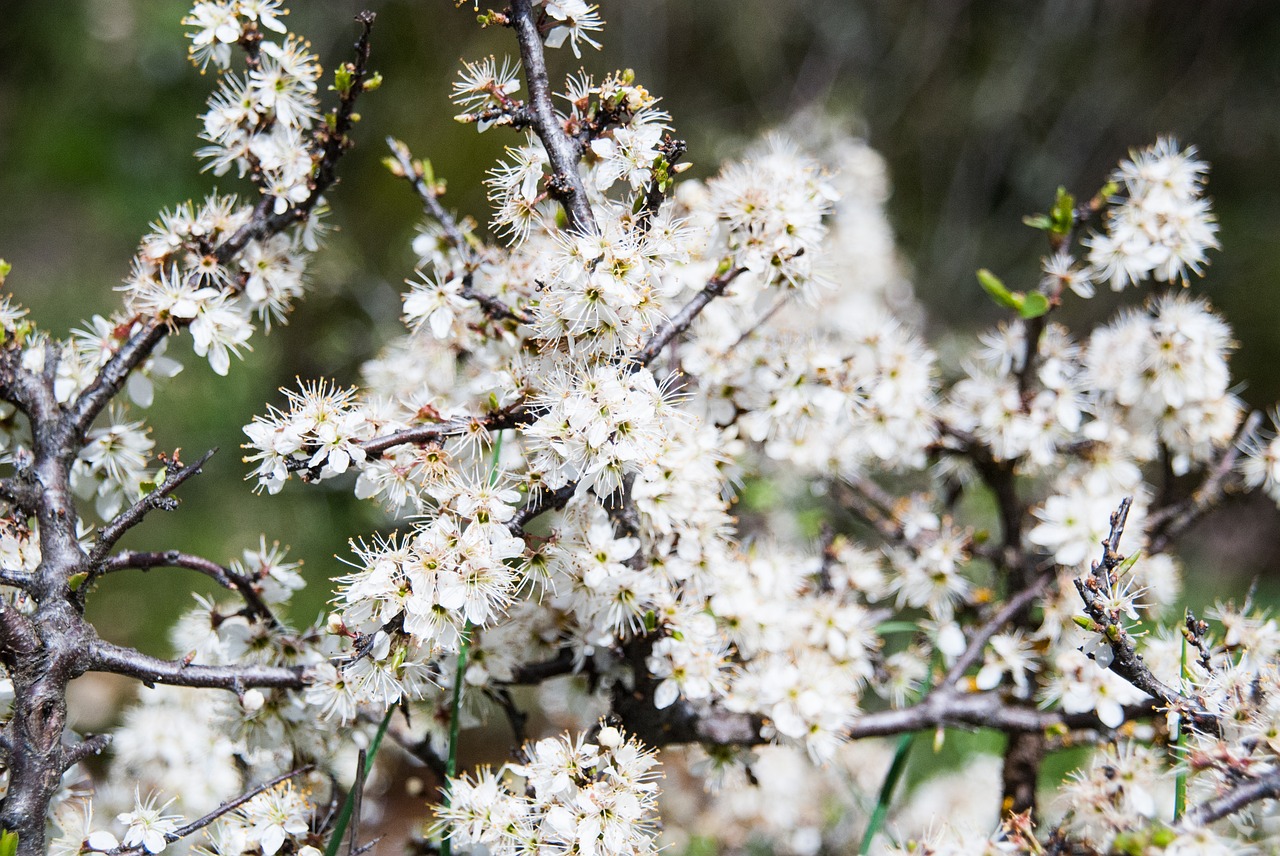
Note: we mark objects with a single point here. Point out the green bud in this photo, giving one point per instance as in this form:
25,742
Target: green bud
1038,221
992,285
1033,305
342,79
1063,215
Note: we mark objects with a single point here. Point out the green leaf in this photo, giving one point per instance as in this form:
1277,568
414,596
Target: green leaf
1032,305
1063,215
897,627
896,769
374,81
342,79
348,805
992,285
1125,566
75,582
8,843
5,267
1038,221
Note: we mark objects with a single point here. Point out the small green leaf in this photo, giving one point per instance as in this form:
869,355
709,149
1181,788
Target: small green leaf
994,287
1085,622
1032,305
1124,567
650,621
74,582
374,81
1038,221
342,79
897,627
8,843
1063,216
5,267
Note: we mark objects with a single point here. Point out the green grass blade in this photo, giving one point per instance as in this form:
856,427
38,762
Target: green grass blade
896,769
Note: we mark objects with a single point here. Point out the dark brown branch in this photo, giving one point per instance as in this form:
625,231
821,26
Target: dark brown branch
412,172
855,496
419,750
1126,662
516,718
92,744
535,673
20,492
106,657
1166,525
513,416
110,380
223,576
229,806
562,152
175,475
680,322
681,723
655,194
1007,613
334,142
1266,787
548,500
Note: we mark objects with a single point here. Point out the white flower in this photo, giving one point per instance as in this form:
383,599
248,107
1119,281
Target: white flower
148,825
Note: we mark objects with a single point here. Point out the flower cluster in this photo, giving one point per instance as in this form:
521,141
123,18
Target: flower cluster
1162,227
591,797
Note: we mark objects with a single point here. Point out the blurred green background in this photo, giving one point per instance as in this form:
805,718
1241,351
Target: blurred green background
981,109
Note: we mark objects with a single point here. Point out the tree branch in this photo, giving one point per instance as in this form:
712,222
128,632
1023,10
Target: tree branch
562,152
223,576
1126,662
176,474
106,657
334,143
1267,787
1007,613
680,322
92,744
110,381
1167,524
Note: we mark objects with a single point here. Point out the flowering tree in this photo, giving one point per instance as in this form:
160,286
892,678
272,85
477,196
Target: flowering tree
562,431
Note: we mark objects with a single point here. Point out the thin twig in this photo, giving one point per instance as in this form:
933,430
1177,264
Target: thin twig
680,322
1126,662
1011,609
229,806
1266,787
1166,525
223,576
175,475
412,173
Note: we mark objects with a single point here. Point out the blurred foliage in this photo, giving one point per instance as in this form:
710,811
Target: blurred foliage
981,109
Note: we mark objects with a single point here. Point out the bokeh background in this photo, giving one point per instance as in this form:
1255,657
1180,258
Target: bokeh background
981,110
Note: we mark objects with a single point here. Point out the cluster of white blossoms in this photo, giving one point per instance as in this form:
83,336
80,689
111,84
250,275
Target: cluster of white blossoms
1162,227
678,454
572,795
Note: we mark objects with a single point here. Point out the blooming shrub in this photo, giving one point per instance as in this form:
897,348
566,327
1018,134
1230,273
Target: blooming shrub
559,435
